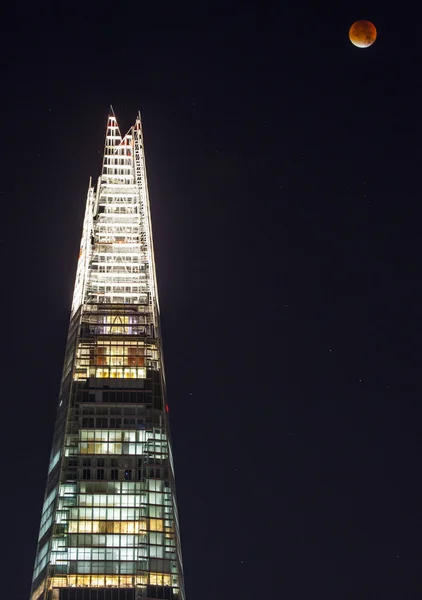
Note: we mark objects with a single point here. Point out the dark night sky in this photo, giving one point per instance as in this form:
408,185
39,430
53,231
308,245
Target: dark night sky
284,173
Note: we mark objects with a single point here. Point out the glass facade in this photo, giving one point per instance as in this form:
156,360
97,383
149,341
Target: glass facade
109,528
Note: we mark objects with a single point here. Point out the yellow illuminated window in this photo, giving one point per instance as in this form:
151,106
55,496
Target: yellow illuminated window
116,324
58,582
100,448
132,527
111,581
99,580
159,579
102,373
156,524
116,373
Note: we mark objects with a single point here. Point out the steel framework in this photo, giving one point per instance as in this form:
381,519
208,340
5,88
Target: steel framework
109,527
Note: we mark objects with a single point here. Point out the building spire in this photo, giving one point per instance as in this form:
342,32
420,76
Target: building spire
113,135
113,355
112,140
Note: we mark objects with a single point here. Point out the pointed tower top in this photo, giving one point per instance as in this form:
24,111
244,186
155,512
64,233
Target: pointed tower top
138,123
112,140
113,135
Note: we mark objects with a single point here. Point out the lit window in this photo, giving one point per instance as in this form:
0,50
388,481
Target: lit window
159,579
156,524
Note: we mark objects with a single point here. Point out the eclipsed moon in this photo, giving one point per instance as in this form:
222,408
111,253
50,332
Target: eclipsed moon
362,34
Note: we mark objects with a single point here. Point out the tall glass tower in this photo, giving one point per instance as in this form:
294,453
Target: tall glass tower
109,527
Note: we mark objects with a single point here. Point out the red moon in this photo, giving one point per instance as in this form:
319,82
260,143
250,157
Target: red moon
362,34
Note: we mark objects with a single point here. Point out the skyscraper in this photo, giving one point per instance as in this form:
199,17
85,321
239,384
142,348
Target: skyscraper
109,527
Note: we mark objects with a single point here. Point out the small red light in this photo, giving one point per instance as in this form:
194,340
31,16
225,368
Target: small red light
167,407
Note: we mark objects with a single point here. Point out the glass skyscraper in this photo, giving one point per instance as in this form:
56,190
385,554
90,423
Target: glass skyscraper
109,527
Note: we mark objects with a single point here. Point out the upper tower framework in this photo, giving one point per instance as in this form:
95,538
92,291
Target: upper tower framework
109,527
